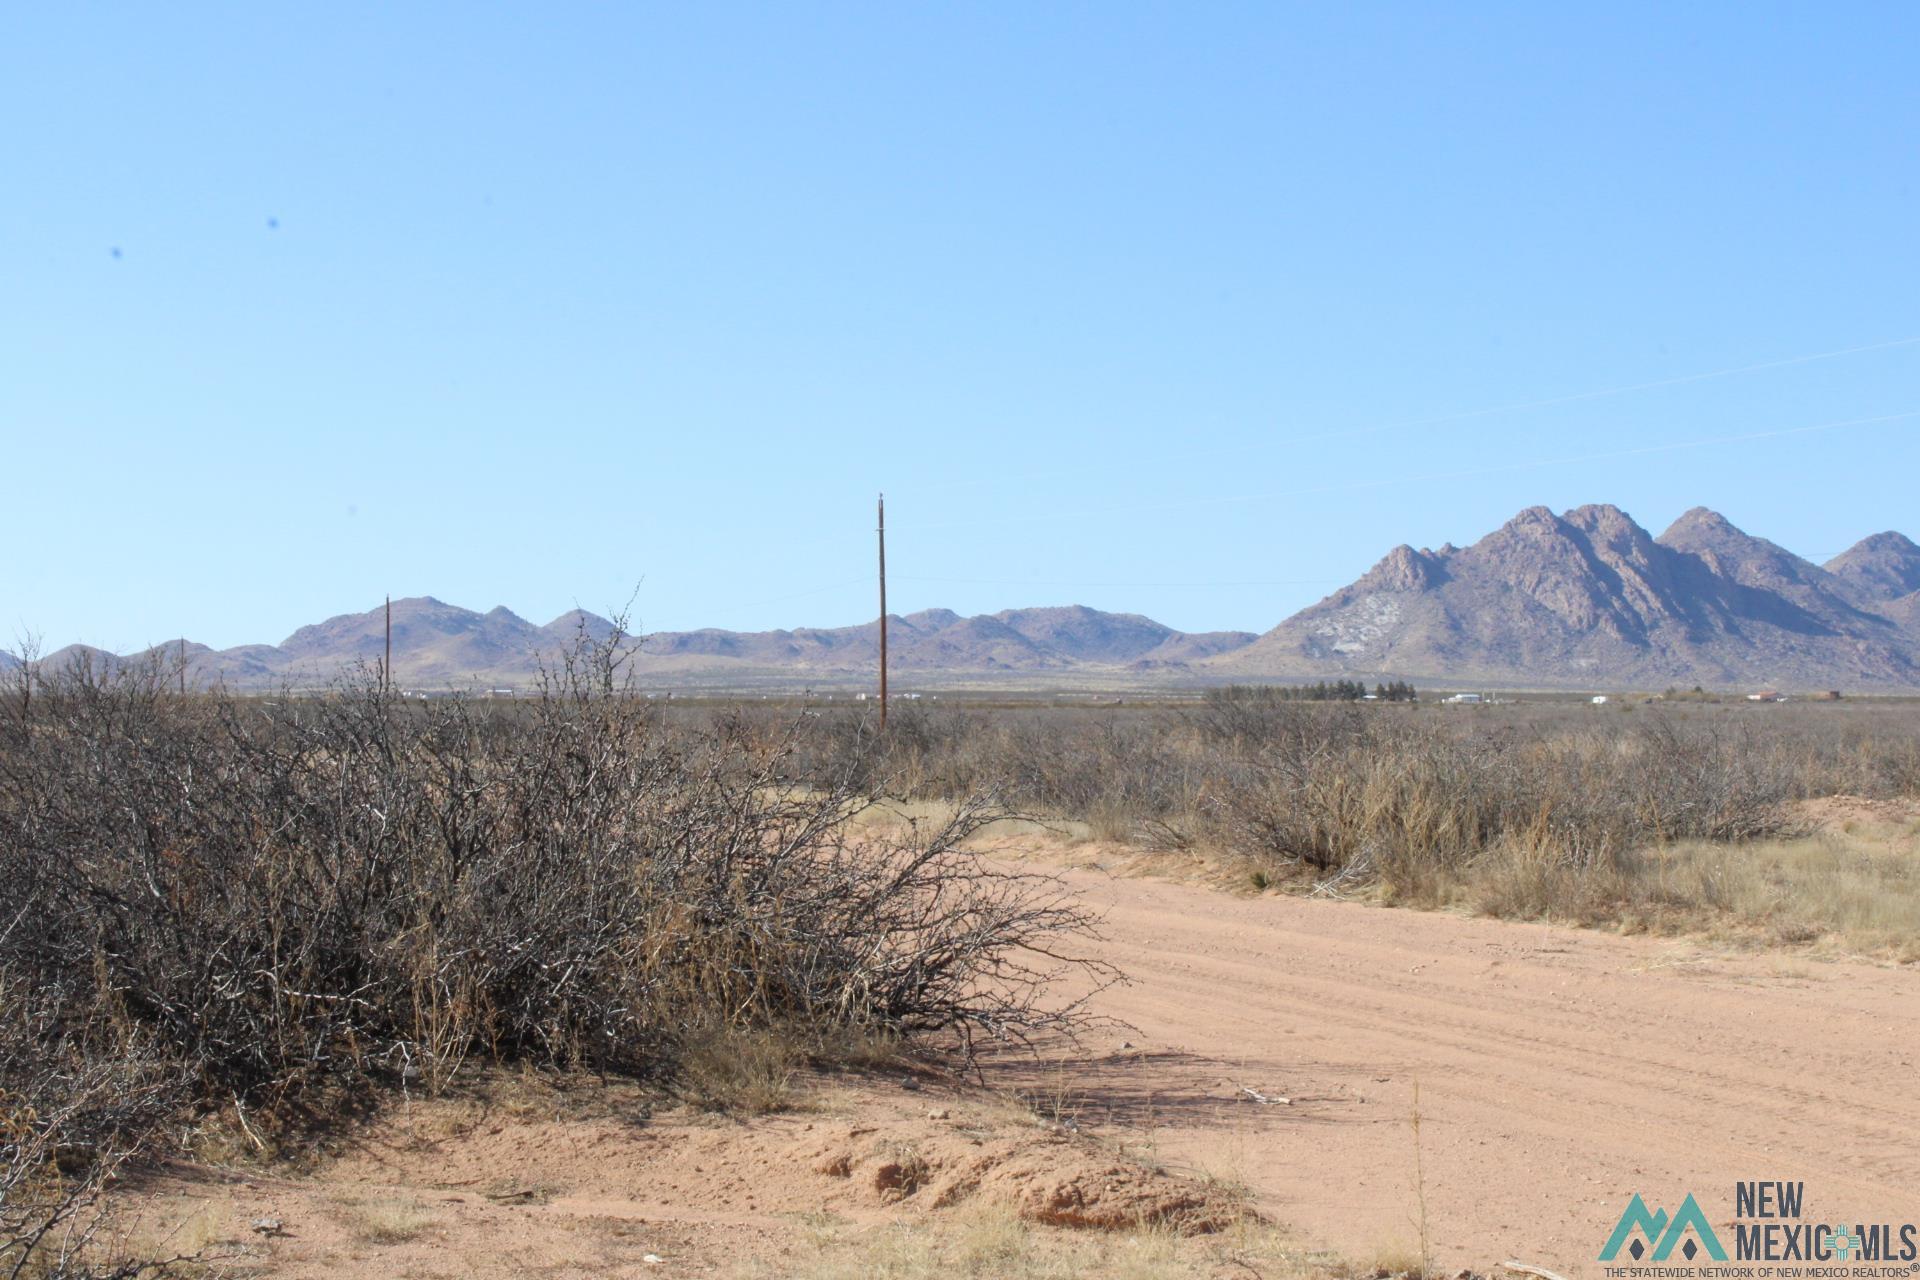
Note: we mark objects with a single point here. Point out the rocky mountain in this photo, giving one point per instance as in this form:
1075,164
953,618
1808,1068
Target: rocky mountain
1885,571
440,646
1589,598
1583,599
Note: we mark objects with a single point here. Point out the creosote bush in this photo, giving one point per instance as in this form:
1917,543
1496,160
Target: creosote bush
252,897
1558,802
72,1111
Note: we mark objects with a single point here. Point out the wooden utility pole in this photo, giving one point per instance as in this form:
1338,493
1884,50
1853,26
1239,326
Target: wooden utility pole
386,667
183,666
883,611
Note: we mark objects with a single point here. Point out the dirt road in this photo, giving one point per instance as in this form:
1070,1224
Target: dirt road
1559,1071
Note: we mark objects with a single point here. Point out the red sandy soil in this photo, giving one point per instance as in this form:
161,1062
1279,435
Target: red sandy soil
519,1180
1558,1072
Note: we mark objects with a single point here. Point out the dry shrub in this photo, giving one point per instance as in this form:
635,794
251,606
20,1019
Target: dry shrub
1411,802
71,1114
265,896
1537,810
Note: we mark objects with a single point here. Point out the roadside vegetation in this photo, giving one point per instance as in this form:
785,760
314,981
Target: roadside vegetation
1642,816
994,1245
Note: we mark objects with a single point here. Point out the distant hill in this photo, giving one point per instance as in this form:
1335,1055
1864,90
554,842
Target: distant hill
1584,599
442,646
1884,570
1591,599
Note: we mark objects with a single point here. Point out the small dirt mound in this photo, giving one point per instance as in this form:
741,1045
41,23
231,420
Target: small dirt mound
1113,1196
1045,1178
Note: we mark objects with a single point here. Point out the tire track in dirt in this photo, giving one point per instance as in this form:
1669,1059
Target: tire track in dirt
1602,1063
1560,1071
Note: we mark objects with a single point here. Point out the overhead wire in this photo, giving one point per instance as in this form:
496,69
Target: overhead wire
1175,504
1463,415
1486,411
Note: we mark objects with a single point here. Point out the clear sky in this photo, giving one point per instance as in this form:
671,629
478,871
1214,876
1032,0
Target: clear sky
1185,309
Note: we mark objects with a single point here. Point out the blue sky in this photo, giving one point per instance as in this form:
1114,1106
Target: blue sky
1181,309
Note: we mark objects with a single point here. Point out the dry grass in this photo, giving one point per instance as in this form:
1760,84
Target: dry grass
1855,891
741,1071
1849,892
385,1220
197,1243
1392,1259
1666,817
989,1245
1056,1100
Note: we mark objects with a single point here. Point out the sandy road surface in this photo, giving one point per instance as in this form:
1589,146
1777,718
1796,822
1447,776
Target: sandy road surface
1559,1071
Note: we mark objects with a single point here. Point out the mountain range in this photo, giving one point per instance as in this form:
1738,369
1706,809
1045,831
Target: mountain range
1584,599
1589,598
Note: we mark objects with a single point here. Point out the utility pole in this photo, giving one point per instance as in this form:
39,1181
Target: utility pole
386,667
883,612
183,666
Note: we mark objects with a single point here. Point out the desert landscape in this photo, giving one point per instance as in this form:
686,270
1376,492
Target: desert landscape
1584,600
985,641
1260,984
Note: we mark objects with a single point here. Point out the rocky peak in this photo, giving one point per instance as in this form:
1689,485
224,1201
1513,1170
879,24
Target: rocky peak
931,619
1534,518
1700,521
1885,566
1403,569
1749,561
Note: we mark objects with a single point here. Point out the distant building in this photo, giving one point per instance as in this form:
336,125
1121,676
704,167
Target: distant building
1765,695
1599,699
1464,697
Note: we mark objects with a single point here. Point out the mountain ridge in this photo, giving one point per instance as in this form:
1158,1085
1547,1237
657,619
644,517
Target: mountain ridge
1589,598
440,645
1582,599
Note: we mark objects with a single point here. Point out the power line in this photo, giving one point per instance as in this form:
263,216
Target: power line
796,595
1352,486
1464,415
1458,474
1465,473
1433,420
1604,392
